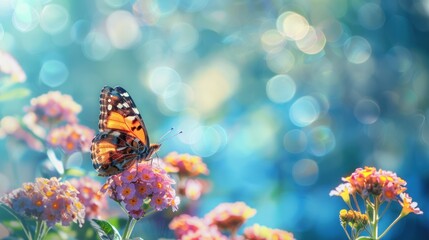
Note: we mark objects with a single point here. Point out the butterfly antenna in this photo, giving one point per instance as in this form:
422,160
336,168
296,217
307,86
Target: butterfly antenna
165,134
169,137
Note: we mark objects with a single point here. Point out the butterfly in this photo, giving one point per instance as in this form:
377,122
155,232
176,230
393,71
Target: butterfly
123,140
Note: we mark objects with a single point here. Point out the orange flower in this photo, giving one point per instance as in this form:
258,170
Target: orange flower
185,164
230,216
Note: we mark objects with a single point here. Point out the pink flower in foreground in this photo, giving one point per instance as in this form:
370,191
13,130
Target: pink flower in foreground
89,195
258,232
48,200
53,108
230,216
188,227
71,138
134,192
9,66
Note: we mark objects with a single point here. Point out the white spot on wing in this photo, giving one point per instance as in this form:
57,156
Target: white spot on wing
119,106
116,133
109,107
125,94
126,105
109,100
136,111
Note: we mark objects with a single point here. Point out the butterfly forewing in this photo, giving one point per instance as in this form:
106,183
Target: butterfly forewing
119,112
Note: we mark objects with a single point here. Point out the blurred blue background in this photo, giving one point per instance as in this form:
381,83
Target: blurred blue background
280,98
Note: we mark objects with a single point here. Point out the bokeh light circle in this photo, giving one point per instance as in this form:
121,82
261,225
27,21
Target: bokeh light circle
207,140
272,40
321,141
295,141
161,77
116,3
53,73
4,185
305,172
367,111
371,16
280,88
165,7
80,30
292,25
122,29
357,50
53,18
313,42
304,111
25,18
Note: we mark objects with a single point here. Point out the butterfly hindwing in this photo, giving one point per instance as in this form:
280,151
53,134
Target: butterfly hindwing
112,152
119,112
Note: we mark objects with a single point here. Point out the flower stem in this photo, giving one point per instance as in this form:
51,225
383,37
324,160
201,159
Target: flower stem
374,221
129,227
347,233
391,225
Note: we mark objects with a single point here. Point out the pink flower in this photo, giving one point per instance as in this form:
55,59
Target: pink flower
135,192
95,203
230,216
9,66
48,200
71,138
185,165
188,227
53,108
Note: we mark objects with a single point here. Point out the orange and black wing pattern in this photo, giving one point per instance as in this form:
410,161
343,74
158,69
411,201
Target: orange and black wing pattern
123,139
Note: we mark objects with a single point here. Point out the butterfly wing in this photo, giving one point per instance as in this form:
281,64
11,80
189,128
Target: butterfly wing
119,112
114,151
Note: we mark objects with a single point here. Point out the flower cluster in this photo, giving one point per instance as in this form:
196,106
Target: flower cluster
188,167
9,66
258,232
89,195
226,216
140,189
191,227
230,216
375,187
48,200
53,108
370,181
185,164
71,138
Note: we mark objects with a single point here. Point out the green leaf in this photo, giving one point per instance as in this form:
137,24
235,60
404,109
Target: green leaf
364,238
14,94
75,172
105,230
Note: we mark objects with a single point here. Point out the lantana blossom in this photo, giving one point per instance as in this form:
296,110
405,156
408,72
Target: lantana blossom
71,138
149,184
230,216
47,200
258,232
194,228
185,164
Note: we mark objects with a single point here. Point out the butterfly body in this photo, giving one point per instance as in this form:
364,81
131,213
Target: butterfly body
123,140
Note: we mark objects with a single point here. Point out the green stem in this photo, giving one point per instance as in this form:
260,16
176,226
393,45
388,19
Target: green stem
385,209
38,229
391,225
374,222
129,227
356,203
